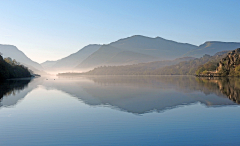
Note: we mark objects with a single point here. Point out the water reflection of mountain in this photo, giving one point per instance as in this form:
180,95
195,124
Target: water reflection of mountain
141,94
12,91
137,94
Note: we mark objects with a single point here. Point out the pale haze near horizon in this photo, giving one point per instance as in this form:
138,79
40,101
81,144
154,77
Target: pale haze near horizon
51,30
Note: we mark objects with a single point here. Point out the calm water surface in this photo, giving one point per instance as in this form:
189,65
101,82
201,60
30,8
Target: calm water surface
157,110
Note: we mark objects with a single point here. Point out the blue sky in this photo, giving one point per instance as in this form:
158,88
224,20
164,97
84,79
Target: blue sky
52,29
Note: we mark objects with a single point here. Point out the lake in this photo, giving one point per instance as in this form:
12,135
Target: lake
120,110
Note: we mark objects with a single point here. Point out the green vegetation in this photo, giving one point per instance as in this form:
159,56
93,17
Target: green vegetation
223,71
237,70
228,65
12,69
205,68
186,67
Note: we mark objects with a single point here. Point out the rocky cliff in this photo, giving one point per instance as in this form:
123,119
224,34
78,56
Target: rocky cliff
230,65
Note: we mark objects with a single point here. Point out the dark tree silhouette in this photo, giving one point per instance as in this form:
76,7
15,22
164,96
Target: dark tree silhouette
12,69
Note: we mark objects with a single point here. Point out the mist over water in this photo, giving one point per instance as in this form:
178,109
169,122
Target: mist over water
118,110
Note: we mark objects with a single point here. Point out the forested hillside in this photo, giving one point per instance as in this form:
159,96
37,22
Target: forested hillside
226,66
12,69
191,67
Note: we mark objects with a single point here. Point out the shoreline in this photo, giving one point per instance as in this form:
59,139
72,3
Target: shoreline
25,78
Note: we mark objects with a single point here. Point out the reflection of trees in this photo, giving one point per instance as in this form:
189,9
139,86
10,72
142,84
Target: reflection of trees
229,87
11,87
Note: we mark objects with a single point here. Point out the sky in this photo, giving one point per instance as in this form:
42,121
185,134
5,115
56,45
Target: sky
53,29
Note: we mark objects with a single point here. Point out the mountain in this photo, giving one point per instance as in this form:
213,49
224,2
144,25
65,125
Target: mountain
136,49
133,50
156,47
212,47
180,66
129,57
14,53
135,69
71,61
47,65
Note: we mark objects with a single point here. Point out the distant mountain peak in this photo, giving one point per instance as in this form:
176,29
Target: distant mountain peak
141,36
212,47
220,42
158,37
141,46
